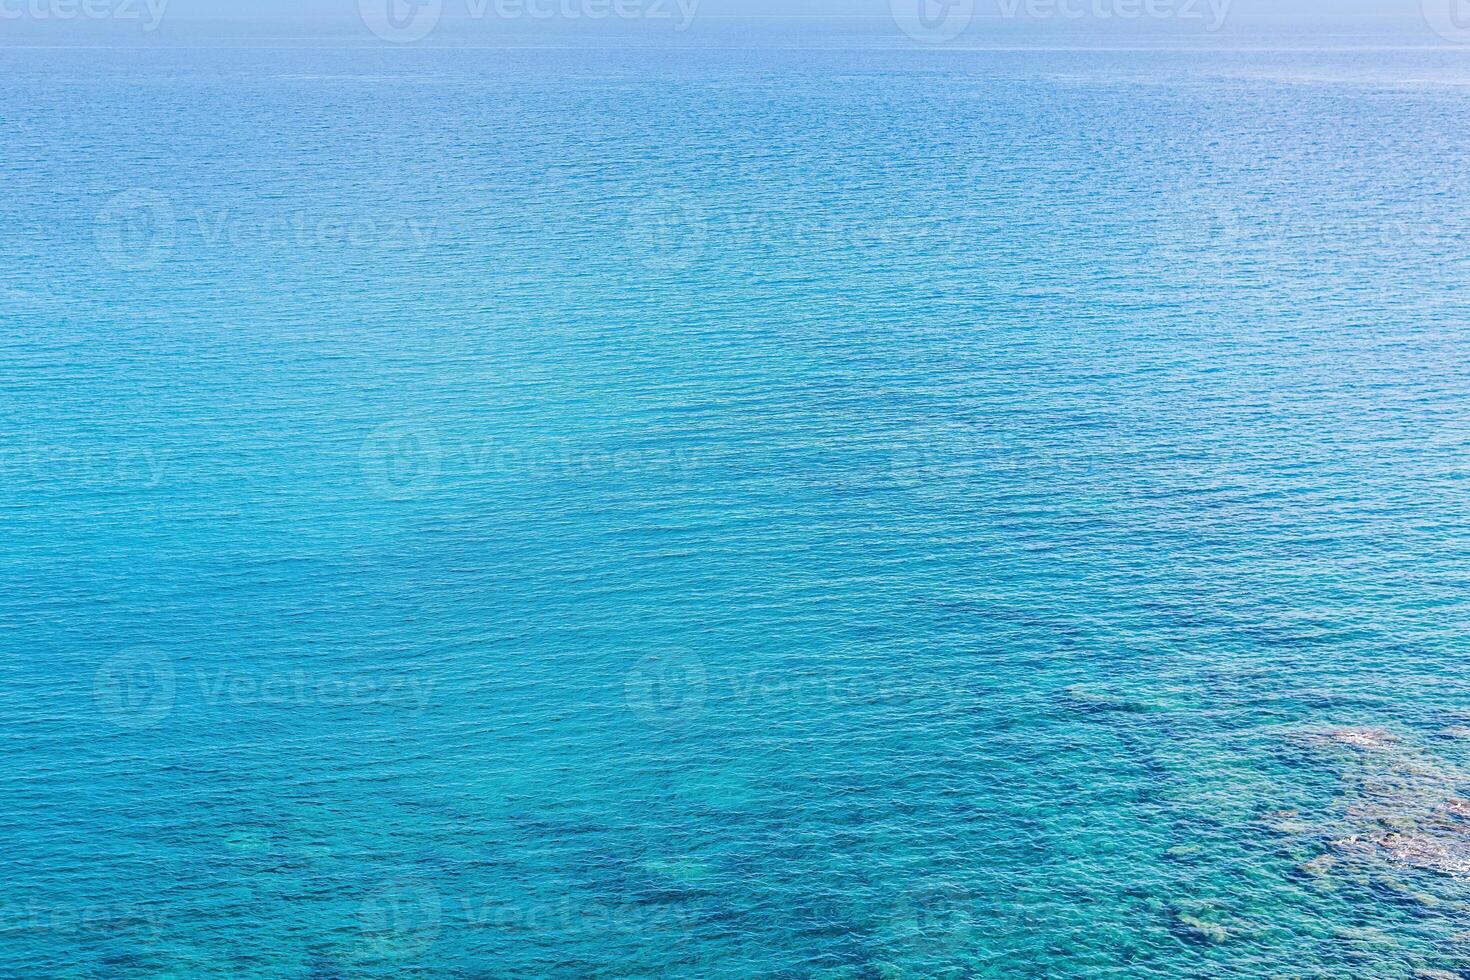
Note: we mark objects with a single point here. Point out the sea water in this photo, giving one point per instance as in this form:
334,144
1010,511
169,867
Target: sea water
734,510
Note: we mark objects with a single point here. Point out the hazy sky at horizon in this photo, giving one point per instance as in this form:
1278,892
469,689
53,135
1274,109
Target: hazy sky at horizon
1345,12
706,16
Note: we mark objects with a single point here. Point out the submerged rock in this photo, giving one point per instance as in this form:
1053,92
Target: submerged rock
1408,893
685,870
1318,867
1287,822
1100,700
1399,805
1445,855
1428,854
1200,930
1362,935
1364,739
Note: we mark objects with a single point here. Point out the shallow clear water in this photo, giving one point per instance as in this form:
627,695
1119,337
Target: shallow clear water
734,512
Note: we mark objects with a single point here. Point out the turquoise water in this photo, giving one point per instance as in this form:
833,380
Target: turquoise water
734,511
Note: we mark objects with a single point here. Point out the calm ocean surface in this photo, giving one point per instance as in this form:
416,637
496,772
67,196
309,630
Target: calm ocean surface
734,511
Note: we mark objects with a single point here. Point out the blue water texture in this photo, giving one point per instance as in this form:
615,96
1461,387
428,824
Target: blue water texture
735,510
